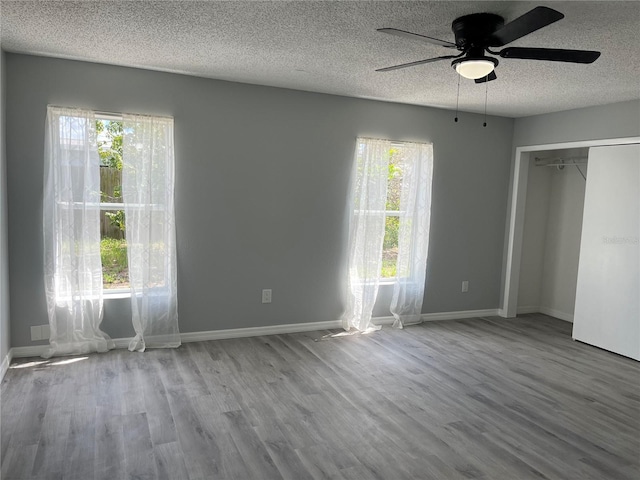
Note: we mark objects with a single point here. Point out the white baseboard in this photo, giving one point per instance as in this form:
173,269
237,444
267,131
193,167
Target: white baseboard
6,361
523,310
30,351
258,331
121,342
37,350
430,317
567,317
383,320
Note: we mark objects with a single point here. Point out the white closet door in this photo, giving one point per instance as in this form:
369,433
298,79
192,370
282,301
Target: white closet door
607,311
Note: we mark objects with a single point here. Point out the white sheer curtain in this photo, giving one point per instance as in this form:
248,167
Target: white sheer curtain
366,231
413,235
71,225
148,195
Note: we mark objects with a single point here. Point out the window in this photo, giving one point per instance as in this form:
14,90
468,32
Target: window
97,170
113,242
388,229
398,170
392,214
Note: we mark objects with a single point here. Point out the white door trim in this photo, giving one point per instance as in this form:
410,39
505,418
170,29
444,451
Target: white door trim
515,215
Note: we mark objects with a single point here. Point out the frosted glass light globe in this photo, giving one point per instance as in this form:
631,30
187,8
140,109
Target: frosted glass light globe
473,69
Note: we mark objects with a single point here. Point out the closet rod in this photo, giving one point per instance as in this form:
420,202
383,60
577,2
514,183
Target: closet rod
563,164
560,159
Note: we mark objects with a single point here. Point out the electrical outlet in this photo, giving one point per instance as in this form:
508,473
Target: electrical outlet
465,286
266,295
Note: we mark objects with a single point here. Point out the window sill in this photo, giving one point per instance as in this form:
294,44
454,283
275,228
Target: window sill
382,281
390,281
116,294
158,291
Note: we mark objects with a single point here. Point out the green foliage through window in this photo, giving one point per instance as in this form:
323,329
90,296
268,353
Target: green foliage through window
113,245
115,267
116,219
392,223
110,143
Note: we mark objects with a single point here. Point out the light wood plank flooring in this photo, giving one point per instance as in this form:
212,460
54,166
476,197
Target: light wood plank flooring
471,399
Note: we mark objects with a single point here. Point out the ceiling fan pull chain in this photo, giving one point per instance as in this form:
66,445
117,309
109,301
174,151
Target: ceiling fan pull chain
457,100
486,93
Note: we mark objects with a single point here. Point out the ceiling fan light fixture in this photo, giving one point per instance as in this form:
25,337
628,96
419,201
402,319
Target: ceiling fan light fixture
474,68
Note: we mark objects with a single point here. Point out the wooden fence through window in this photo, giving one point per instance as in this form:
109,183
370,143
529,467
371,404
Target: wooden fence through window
110,181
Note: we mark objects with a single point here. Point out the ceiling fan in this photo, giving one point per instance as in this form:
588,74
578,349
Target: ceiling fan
476,33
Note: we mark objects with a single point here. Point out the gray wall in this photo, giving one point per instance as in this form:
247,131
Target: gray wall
261,183
616,120
536,217
562,243
552,231
4,254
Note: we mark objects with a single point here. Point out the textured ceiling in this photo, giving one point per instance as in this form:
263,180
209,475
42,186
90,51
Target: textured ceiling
333,47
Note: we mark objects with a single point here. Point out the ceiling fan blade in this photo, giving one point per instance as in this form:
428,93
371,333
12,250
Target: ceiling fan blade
524,25
551,54
419,38
488,78
419,62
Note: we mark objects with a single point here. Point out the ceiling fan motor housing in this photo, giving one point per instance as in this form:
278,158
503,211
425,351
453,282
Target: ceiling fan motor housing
477,32
473,31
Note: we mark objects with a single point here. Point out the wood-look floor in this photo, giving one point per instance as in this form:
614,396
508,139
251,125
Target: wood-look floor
472,399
